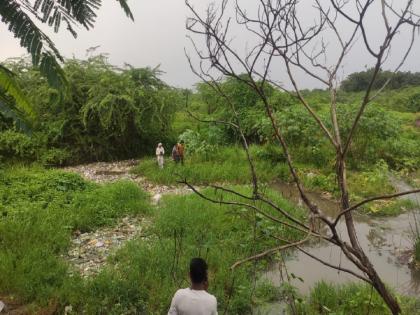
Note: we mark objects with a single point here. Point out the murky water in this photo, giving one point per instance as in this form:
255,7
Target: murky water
385,240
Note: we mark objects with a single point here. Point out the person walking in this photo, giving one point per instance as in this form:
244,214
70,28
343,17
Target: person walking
160,152
195,300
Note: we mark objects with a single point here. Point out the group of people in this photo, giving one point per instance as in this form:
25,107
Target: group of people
177,153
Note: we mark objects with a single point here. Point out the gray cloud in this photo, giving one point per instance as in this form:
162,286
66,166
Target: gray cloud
158,36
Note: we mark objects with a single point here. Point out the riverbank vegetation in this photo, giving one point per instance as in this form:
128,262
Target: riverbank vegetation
44,207
123,117
327,298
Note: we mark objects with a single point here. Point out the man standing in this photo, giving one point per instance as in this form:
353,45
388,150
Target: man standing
160,151
175,155
181,149
195,300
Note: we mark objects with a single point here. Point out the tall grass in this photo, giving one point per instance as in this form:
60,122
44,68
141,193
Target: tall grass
417,249
225,164
144,275
354,298
39,210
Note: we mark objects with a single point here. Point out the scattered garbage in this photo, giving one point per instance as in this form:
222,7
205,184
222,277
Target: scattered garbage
102,172
89,251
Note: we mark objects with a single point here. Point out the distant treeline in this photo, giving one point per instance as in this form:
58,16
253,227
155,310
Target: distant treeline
358,81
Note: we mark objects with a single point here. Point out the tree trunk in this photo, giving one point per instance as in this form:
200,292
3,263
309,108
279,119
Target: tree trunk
377,283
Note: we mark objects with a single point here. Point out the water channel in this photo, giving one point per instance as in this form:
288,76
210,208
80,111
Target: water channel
387,241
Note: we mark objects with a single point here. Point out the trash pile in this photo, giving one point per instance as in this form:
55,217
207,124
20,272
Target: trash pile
89,251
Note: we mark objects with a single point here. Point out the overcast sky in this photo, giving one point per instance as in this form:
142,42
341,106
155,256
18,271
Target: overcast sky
158,36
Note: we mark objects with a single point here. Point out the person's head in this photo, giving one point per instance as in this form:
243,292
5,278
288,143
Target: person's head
198,271
159,144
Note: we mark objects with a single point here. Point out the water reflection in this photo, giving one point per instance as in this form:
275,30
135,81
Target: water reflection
383,239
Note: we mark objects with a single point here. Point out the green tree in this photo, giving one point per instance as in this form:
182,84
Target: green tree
107,112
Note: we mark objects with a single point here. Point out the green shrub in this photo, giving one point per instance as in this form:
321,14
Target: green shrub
102,205
350,299
389,208
370,183
54,157
39,209
317,181
17,145
269,152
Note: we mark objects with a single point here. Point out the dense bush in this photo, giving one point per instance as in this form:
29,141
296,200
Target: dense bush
376,128
106,113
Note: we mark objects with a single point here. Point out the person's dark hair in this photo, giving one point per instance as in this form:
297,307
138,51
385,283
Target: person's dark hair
198,270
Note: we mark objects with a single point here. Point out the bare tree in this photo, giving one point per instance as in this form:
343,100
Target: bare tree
282,37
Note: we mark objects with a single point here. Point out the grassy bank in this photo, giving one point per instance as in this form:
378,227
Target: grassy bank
326,298
223,165
144,275
39,210
230,165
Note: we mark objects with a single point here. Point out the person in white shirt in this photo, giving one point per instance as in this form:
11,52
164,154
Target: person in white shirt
160,151
195,300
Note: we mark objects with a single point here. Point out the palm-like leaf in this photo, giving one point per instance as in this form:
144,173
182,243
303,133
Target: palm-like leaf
42,49
16,15
10,87
8,111
71,12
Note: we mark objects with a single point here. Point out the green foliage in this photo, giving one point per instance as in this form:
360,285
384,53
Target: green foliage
12,99
417,249
21,147
376,127
246,103
370,183
318,181
185,227
348,299
103,205
389,208
109,113
42,208
17,145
